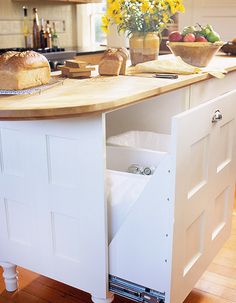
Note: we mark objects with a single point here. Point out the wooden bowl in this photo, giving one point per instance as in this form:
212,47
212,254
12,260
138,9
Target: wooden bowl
195,53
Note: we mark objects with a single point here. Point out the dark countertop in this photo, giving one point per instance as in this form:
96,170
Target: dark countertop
79,50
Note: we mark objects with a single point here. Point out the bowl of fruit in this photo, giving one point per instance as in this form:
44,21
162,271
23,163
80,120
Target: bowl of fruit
196,45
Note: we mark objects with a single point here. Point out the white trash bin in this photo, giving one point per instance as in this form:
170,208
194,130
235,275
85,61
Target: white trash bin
142,139
123,189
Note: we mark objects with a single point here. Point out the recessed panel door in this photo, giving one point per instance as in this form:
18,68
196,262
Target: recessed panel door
204,191
52,208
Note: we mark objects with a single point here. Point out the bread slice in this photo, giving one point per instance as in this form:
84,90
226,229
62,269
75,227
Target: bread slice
79,75
66,69
20,70
76,63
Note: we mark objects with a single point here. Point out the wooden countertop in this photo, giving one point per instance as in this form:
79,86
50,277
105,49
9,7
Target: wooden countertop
76,97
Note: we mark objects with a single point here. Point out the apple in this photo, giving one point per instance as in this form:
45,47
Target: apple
175,36
189,38
200,38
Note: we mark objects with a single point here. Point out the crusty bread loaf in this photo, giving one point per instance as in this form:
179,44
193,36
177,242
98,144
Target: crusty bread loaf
20,70
111,63
234,41
125,55
6,56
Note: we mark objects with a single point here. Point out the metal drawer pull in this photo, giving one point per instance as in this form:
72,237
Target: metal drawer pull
217,116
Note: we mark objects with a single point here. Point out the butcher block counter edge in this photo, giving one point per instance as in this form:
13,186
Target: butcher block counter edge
100,94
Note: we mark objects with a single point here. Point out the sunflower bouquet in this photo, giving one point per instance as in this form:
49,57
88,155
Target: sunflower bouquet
140,16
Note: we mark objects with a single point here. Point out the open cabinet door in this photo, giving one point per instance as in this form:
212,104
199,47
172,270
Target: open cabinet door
204,190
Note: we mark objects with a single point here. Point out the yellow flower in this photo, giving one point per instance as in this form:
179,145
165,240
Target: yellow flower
141,15
172,6
114,8
116,5
145,6
118,19
151,10
105,21
163,5
181,8
105,29
162,25
165,17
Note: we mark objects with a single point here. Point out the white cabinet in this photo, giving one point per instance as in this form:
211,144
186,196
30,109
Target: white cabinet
183,215
53,206
205,91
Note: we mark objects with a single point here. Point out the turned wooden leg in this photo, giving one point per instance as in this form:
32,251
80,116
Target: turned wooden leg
109,299
10,276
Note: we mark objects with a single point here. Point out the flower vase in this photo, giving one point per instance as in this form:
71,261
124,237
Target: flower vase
144,47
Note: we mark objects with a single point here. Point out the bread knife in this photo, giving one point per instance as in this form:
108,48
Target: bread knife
166,76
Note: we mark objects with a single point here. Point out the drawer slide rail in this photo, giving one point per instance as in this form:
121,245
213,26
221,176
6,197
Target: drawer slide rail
134,291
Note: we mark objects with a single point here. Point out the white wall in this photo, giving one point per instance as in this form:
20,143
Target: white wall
220,14
11,25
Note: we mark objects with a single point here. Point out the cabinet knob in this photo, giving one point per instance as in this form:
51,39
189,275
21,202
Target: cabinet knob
217,116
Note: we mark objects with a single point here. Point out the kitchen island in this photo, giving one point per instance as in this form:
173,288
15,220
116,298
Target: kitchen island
54,190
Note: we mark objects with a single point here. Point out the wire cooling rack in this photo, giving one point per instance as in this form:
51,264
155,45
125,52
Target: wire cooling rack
54,81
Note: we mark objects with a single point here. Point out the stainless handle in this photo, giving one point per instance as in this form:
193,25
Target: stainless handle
217,116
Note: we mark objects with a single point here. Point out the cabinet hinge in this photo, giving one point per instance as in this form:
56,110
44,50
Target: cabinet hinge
134,291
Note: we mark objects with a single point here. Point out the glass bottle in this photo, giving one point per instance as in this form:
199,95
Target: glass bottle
36,30
42,35
48,34
54,36
26,31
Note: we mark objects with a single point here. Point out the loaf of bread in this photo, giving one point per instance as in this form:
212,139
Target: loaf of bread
125,55
20,70
234,41
111,63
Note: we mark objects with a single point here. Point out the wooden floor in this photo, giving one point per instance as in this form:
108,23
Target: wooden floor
217,285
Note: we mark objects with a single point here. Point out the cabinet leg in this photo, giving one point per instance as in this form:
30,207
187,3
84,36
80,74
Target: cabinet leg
109,299
10,276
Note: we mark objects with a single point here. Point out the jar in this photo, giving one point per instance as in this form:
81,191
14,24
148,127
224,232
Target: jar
144,47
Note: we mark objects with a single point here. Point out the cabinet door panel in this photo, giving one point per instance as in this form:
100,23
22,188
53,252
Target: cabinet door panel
52,209
205,178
